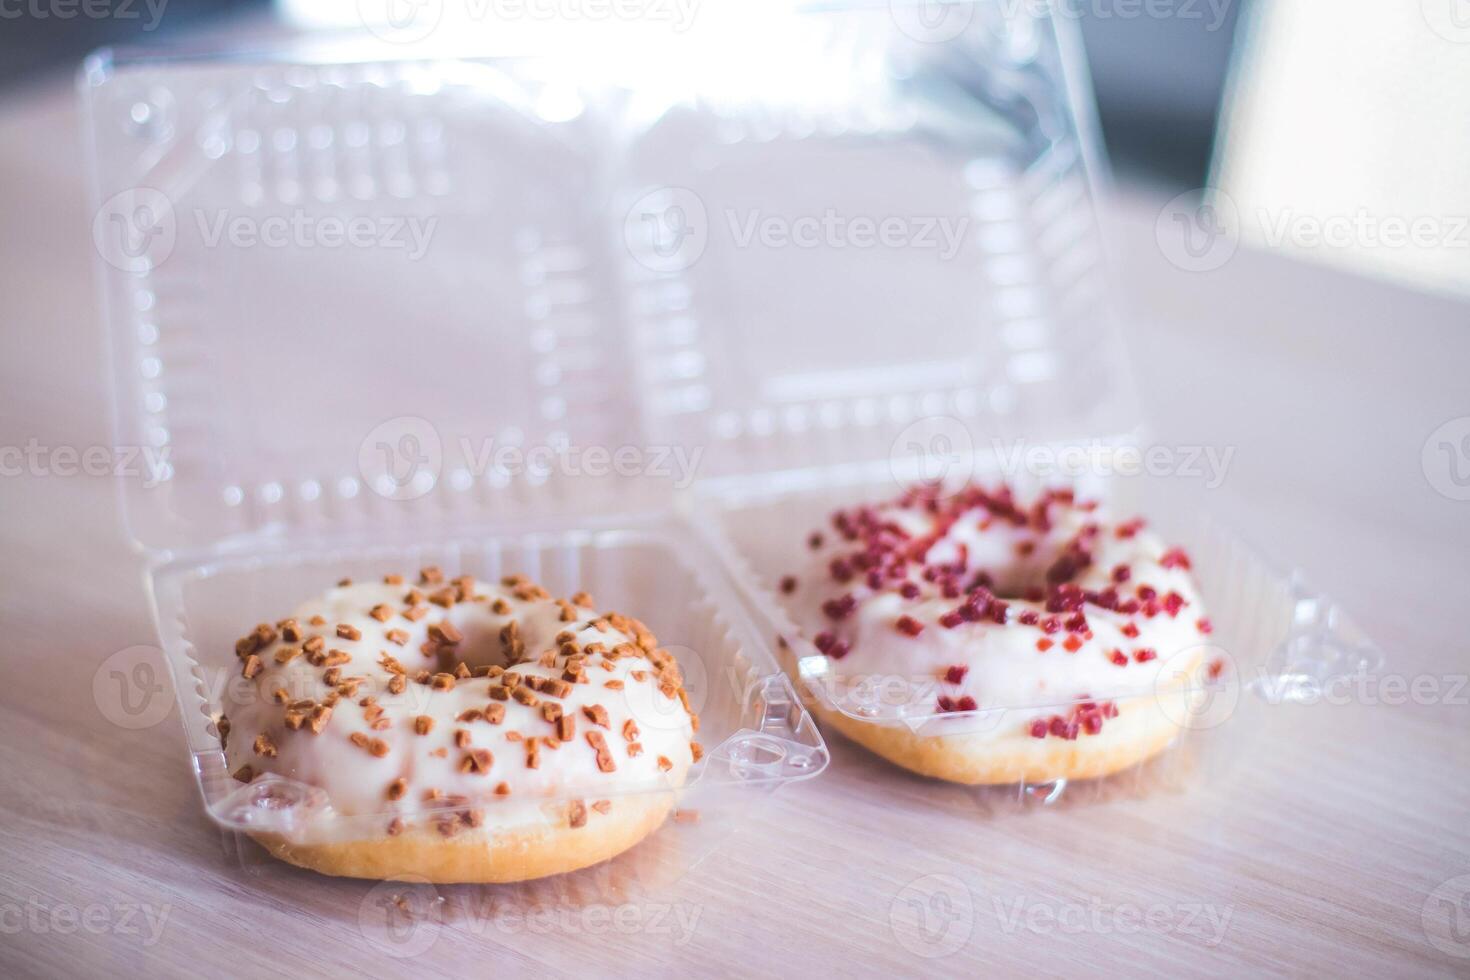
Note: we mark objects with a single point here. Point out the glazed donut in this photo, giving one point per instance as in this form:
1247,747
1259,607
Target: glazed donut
977,600
461,732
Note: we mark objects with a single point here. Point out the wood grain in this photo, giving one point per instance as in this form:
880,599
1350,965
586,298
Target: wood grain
1316,854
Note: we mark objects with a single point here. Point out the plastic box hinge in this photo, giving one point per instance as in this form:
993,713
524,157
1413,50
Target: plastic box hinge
786,746
271,804
1322,646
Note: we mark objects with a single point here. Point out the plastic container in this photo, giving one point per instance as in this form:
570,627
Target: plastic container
1276,640
758,733
615,238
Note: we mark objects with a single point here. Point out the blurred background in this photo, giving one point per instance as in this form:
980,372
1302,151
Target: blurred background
1328,130
1159,78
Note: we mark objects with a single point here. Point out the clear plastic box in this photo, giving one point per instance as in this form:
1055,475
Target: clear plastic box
759,735
595,267
1278,640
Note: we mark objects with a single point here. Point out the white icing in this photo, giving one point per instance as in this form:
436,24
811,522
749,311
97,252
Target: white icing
356,781
1004,667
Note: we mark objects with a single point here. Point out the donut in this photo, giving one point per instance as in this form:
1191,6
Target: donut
1021,640
458,731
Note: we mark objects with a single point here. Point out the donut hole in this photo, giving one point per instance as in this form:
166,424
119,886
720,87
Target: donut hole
1024,577
1013,570
481,647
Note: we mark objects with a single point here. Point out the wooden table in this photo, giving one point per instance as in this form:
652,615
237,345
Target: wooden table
1339,843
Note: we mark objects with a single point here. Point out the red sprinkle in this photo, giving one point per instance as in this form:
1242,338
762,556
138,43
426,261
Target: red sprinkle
839,608
1145,655
1121,573
1043,644
1129,630
831,646
956,674
1119,657
1085,717
1205,626
909,626
1175,558
950,620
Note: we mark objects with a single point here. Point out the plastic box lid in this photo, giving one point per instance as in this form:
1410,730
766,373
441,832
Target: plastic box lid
355,283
